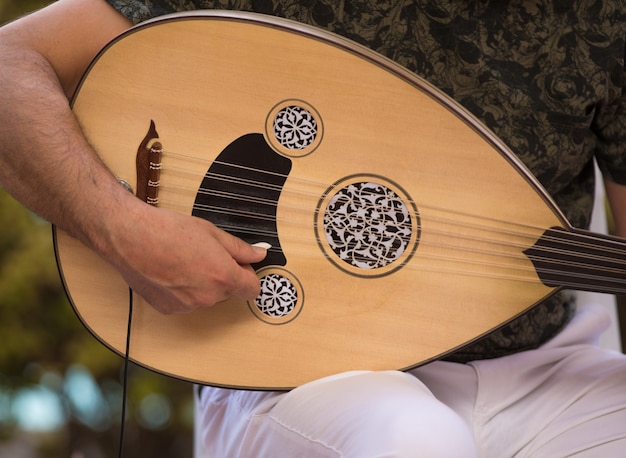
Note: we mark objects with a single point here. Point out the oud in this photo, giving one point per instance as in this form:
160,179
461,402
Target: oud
401,228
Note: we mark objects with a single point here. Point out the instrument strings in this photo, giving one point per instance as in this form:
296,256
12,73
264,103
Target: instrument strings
449,230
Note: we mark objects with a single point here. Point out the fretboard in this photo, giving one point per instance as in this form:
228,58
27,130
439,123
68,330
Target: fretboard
580,260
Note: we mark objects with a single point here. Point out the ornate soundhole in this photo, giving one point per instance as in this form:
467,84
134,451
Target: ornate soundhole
294,128
281,297
369,227
278,296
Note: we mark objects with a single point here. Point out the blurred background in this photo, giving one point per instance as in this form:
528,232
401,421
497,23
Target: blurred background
60,389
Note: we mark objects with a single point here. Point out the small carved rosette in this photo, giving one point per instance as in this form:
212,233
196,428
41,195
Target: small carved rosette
294,128
281,297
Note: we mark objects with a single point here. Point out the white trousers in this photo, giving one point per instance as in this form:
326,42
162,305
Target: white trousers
567,398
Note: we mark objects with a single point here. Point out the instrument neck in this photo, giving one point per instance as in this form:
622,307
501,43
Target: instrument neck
580,260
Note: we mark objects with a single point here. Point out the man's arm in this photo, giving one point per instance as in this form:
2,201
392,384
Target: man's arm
616,195
47,164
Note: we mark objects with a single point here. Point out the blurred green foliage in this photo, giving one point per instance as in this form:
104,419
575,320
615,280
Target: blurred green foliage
10,9
42,343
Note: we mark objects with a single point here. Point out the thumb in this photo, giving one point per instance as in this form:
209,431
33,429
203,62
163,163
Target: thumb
242,252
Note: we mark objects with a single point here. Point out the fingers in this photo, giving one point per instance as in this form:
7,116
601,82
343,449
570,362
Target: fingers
231,274
242,252
197,266
246,282
249,286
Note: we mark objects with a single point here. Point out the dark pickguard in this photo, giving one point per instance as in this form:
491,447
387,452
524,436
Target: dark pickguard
240,192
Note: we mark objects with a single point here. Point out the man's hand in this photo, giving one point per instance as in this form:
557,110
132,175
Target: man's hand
179,263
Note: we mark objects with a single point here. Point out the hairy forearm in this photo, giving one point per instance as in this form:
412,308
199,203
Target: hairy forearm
46,162
48,165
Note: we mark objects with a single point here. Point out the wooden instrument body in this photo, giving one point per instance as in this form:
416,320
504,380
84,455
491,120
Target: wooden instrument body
208,79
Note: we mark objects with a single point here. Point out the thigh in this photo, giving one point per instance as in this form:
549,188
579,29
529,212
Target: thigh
577,405
567,398
357,414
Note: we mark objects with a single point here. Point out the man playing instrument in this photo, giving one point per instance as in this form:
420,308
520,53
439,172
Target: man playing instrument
547,77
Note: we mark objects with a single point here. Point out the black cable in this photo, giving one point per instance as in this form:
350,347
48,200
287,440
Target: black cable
125,375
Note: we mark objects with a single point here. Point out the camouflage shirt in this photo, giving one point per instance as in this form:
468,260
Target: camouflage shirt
546,76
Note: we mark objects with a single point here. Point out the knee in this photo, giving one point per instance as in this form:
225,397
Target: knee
383,414
406,420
